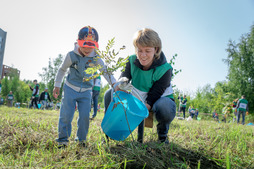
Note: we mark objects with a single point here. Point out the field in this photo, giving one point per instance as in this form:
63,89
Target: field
27,140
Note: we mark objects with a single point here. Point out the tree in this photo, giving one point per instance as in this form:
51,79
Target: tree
23,92
49,73
102,92
205,97
20,89
14,84
222,97
172,63
6,87
240,61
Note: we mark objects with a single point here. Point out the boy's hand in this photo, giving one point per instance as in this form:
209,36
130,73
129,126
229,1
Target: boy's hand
56,91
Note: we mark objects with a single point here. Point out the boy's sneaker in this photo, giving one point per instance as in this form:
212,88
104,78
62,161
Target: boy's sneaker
82,144
62,145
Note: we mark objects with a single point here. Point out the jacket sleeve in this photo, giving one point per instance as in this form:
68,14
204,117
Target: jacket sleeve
109,77
40,98
49,97
127,71
184,101
31,88
158,88
237,106
62,70
36,90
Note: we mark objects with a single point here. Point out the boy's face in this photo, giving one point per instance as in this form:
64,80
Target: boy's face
86,51
145,55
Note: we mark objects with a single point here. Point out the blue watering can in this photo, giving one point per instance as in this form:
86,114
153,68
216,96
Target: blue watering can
123,115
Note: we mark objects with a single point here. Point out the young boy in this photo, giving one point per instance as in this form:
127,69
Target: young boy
75,89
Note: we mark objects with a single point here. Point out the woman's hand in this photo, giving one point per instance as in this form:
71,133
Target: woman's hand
148,107
118,89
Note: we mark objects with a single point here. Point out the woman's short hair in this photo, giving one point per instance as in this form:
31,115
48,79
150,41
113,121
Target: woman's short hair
148,38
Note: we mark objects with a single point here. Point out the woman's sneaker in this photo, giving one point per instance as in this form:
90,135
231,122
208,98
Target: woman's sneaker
163,140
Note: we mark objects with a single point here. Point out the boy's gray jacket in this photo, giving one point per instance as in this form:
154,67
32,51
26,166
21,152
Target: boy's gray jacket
77,65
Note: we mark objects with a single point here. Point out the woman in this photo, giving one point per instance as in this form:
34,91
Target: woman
150,74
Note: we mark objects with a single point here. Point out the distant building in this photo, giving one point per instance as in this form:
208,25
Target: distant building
8,71
2,47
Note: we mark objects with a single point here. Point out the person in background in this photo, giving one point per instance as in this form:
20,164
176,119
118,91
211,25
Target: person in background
150,74
99,107
196,114
215,115
189,110
242,107
192,112
44,98
10,99
234,104
183,102
35,94
95,95
0,86
1,100
17,104
76,88
58,105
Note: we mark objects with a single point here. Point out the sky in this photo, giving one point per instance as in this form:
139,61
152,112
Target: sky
198,31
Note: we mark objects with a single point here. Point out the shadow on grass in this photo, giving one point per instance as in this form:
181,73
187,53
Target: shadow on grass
152,155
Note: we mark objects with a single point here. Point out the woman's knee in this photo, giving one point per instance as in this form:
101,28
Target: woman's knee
164,109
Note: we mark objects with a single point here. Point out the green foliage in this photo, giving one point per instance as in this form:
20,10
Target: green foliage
101,96
6,87
240,61
20,89
208,99
112,63
14,84
23,92
172,63
49,73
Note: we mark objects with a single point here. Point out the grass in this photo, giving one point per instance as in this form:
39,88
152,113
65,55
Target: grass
27,140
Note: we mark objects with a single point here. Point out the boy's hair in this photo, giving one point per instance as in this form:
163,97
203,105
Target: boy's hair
35,81
148,38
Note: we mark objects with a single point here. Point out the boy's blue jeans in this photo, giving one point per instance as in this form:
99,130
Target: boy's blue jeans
67,110
95,97
243,116
164,109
